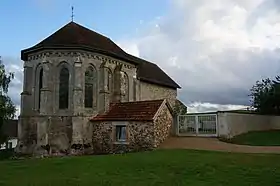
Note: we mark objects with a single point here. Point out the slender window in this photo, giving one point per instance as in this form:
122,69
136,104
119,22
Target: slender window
89,87
109,79
63,88
40,87
124,87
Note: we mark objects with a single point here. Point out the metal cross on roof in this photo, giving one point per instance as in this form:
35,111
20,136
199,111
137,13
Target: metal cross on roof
72,15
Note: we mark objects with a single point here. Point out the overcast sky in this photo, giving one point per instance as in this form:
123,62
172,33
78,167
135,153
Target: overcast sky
215,49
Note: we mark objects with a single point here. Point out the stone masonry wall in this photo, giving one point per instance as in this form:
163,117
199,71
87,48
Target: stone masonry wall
55,135
42,126
46,128
77,62
43,135
27,135
163,125
60,135
154,92
140,137
102,137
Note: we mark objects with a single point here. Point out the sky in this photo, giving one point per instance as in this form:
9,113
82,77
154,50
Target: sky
215,49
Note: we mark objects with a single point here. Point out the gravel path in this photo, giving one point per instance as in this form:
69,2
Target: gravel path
214,144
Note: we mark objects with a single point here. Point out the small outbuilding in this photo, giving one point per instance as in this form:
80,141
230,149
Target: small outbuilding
131,126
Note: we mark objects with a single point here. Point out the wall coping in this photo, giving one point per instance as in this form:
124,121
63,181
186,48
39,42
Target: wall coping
233,111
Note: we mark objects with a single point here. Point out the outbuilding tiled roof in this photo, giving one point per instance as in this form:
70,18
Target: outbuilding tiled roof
74,36
131,111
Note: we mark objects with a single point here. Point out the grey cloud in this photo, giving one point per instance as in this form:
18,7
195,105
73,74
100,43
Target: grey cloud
198,108
227,79
215,61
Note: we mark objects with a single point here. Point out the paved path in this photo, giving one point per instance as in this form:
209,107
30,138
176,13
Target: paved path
214,144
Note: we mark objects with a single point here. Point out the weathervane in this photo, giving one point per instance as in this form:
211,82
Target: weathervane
72,15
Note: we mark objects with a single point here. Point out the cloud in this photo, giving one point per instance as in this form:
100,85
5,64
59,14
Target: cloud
208,107
216,50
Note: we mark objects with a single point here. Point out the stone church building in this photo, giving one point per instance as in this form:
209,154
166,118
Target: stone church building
83,94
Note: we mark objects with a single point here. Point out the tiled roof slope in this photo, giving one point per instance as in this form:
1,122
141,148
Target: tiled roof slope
151,73
131,111
75,36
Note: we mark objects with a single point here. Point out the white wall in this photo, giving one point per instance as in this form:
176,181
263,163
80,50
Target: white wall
13,141
231,124
275,122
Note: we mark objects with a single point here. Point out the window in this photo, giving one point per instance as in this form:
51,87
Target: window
109,79
121,133
89,87
40,87
124,87
109,82
10,145
63,88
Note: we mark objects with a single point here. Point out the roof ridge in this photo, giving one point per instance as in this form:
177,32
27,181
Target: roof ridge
131,111
51,34
140,101
90,30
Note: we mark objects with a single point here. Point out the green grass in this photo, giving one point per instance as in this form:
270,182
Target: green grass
162,167
258,138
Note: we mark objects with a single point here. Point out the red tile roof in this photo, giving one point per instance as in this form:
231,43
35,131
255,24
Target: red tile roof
131,111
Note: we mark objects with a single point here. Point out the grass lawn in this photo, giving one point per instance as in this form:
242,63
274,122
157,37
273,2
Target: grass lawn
162,167
258,138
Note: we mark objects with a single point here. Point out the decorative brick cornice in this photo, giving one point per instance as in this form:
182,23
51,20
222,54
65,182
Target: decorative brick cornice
26,93
77,89
45,89
83,55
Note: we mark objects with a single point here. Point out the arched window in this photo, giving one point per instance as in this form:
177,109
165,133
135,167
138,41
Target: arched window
109,80
40,87
124,87
63,88
89,87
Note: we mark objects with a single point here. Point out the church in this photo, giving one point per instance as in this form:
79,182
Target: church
83,94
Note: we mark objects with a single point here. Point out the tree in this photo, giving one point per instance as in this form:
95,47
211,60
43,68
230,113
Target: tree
7,108
265,96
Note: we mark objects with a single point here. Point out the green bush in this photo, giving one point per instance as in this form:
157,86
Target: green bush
6,154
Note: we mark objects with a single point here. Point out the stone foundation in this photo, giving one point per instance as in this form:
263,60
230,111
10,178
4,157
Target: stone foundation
163,126
140,138
76,135
54,135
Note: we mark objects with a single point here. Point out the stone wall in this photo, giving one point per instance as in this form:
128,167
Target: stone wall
163,125
45,135
45,127
77,62
154,92
27,135
140,137
54,135
43,124
231,124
